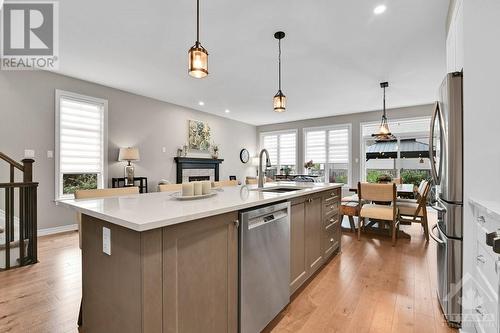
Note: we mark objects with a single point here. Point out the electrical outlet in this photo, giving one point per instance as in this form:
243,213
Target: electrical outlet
106,240
29,153
50,154
164,149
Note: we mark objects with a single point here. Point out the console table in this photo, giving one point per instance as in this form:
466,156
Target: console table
142,183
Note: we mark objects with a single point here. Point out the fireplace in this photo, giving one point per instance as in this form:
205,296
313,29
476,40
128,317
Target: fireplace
198,178
193,169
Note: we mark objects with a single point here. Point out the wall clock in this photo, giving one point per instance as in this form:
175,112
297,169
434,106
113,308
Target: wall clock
244,156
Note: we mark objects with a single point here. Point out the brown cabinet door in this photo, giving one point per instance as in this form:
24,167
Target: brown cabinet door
298,265
314,233
200,288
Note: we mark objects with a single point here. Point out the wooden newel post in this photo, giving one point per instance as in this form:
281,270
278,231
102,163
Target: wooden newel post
28,170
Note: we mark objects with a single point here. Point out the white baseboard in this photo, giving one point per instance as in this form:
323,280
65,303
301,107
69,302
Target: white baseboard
57,230
43,232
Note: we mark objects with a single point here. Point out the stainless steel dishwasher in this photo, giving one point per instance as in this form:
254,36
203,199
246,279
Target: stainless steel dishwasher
264,265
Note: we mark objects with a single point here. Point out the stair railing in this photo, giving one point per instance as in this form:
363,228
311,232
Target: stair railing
27,200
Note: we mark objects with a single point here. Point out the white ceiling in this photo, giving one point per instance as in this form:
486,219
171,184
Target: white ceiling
335,53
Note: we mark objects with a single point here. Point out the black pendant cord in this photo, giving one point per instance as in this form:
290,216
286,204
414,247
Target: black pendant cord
384,116
279,64
197,21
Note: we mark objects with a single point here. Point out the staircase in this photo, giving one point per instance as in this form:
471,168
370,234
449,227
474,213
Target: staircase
18,216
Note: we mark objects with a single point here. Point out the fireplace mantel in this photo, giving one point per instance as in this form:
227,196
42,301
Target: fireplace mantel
196,163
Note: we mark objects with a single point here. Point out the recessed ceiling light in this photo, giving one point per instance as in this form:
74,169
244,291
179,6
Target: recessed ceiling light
201,103
227,111
379,9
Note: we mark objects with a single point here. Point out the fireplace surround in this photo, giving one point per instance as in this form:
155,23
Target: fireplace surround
196,168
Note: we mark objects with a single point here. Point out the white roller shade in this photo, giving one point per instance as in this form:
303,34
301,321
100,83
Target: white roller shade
270,143
338,149
316,146
287,147
81,132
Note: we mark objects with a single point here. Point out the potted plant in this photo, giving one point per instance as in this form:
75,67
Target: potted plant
309,165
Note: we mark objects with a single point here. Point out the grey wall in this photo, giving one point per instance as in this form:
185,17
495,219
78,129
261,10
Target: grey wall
355,120
27,122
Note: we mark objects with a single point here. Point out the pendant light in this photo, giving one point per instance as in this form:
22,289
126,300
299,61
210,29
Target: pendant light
198,56
384,134
279,99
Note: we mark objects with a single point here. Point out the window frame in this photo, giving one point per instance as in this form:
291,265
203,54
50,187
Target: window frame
103,175
362,141
279,133
347,126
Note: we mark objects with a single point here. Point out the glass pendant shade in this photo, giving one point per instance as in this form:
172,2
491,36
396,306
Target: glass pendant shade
384,134
198,61
279,102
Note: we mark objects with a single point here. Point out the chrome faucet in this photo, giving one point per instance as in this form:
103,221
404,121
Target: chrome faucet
261,172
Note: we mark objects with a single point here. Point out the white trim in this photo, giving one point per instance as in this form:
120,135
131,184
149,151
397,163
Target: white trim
349,143
57,230
46,231
58,95
278,133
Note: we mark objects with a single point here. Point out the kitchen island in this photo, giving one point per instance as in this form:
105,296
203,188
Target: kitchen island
172,266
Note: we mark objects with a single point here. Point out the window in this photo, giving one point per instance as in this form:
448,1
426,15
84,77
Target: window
407,157
329,149
81,143
282,148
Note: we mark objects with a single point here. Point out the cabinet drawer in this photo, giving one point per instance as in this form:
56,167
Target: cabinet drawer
485,266
329,220
331,238
486,222
485,307
332,194
331,208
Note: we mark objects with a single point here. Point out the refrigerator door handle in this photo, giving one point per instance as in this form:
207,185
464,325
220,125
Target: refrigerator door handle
433,235
434,172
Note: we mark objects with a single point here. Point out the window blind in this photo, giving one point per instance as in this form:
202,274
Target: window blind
282,148
271,145
316,146
287,149
81,131
338,148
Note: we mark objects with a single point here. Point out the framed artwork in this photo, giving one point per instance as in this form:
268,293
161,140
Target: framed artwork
199,135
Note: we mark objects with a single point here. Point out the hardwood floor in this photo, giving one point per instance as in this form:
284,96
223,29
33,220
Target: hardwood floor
369,287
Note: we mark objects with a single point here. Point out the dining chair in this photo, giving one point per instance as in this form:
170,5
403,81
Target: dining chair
350,207
383,206
416,212
224,183
419,190
169,187
397,180
93,194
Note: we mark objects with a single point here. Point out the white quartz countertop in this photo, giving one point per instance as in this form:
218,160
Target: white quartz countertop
492,207
141,212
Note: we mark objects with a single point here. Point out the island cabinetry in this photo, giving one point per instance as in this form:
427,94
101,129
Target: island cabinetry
331,222
314,234
180,278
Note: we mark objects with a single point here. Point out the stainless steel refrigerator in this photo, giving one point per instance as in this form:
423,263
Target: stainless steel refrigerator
446,145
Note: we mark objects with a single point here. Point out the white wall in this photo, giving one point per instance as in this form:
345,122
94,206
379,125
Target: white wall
27,122
481,111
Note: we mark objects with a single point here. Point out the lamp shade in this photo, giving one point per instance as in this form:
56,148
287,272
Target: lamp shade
128,154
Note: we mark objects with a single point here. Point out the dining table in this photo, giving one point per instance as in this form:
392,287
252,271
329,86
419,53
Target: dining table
379,227
403,190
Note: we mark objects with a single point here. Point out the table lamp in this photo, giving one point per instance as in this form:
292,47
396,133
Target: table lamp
129,154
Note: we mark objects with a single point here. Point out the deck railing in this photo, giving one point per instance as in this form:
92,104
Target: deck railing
19,247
